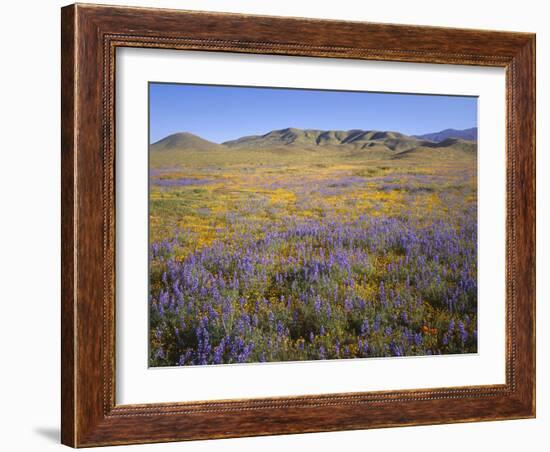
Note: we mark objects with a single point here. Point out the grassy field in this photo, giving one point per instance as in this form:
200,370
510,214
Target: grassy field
315,253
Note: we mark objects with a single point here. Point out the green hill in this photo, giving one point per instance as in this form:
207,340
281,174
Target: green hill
184,141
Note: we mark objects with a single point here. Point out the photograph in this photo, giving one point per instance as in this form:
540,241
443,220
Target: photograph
291,224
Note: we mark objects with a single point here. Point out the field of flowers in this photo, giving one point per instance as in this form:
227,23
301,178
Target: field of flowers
275,256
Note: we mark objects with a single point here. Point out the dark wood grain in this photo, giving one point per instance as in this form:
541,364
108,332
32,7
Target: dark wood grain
90,36
67,226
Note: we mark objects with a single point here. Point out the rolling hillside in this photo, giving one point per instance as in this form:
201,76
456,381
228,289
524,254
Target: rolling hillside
184,141
305,144
311,138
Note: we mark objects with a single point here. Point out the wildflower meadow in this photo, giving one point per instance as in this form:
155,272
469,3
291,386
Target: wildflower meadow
299,253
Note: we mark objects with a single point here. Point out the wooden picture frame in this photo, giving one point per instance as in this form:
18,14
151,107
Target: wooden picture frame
90,36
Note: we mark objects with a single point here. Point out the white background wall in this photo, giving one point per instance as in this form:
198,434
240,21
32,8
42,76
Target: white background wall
29,224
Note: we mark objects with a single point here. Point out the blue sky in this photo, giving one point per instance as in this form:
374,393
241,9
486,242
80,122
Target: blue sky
221,113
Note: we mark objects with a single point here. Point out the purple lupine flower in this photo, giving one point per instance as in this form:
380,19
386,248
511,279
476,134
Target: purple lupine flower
377,320
218,353
396,350
462,332
365,327
348,305
317,304
363,347
451,326
382,294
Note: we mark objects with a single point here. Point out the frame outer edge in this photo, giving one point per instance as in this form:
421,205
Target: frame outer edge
534,226
68,229
525,62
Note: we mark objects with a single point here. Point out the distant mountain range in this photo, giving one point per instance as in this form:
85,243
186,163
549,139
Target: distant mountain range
466,134
380,142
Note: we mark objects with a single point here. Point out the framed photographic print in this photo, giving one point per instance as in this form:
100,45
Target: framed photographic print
281,225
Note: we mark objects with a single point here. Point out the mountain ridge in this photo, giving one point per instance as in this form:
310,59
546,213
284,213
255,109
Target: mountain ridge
390,143
315,137
465,134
